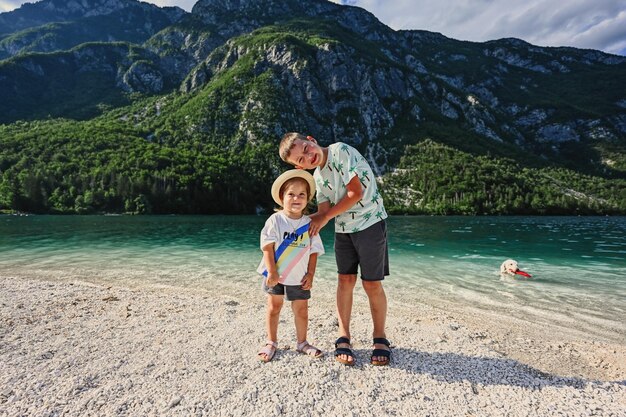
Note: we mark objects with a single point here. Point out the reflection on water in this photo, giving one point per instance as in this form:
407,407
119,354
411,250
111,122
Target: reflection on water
578,263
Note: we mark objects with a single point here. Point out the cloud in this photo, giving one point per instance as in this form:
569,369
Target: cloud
595,24
609,34
7,5
183,4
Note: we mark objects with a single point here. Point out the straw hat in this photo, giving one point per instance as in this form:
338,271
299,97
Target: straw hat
287,175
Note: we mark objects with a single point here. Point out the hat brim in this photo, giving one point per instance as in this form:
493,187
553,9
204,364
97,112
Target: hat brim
286,176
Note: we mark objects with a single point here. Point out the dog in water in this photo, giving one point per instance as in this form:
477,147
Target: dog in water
509,267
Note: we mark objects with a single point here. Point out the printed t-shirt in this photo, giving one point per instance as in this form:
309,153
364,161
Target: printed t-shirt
292,246
344,163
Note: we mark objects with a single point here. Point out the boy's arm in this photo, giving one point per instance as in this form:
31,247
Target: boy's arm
354,192
307,280
270,264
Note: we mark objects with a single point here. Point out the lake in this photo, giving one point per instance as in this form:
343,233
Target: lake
578,263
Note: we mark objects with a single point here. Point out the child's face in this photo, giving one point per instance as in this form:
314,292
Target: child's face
306,154
295,198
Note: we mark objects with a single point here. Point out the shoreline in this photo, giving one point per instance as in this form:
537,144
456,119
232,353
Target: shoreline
76,348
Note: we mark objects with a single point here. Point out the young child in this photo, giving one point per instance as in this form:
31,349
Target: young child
289,259
347,191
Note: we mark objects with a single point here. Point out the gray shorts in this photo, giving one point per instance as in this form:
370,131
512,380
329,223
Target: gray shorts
291,292
367,248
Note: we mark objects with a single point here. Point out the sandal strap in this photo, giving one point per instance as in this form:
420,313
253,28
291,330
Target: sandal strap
342,339
344,351
307,348
381,352
269,349
382,341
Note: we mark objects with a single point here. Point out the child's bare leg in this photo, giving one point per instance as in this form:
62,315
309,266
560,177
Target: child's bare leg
272,316
345,290
300,310
274,305
378,307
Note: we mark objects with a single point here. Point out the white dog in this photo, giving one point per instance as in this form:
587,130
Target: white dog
509,267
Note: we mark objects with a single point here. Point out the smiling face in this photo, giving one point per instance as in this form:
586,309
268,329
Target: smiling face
295,195
306,154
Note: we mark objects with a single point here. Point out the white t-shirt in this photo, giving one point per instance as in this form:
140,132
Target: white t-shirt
344,163
292,256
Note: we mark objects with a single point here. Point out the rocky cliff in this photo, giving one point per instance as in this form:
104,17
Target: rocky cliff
236,74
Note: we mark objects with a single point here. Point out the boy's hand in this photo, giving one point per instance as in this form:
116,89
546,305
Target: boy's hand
354,193
307,281
318,220
272,279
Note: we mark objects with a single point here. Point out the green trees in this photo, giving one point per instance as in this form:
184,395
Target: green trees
106,165
213,149
436,179
63,166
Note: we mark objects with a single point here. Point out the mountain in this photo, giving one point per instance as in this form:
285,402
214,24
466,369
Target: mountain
52,25
189,117
31,15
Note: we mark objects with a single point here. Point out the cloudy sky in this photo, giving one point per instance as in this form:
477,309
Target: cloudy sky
595,24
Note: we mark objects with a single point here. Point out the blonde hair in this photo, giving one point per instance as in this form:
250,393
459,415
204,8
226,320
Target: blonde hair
286,144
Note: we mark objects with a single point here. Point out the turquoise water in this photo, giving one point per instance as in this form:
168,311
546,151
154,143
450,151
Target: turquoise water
578,263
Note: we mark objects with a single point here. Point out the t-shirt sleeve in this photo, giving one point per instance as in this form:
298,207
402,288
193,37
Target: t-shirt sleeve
317,246
270,232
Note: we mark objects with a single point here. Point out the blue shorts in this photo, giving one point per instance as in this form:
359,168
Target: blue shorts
367,248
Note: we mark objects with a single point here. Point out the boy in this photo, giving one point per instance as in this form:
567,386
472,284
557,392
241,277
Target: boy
347,191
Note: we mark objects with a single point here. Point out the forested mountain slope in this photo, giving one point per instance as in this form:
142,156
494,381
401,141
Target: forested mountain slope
188,120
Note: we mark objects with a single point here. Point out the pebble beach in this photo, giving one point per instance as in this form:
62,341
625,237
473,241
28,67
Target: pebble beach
78,348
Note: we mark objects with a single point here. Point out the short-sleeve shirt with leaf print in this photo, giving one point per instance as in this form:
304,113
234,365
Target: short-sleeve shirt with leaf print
344,163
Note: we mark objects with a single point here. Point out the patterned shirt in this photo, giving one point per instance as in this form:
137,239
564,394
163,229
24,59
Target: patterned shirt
344,163
292,246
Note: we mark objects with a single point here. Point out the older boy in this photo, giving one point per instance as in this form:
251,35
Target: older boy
347,191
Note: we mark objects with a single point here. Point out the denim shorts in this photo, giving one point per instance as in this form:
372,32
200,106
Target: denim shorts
367,249
291,292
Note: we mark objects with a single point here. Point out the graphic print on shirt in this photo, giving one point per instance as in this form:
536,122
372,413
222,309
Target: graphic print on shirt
295,246
343,164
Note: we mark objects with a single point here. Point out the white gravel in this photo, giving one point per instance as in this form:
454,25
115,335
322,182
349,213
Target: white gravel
85,349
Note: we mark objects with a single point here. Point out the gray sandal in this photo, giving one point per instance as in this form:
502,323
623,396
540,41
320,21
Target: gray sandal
308,349
269,350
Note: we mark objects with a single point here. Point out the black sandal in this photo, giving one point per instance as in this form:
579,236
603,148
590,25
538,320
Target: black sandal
343,351
381,352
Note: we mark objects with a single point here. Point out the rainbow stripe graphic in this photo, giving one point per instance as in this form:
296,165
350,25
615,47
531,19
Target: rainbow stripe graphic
287,256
